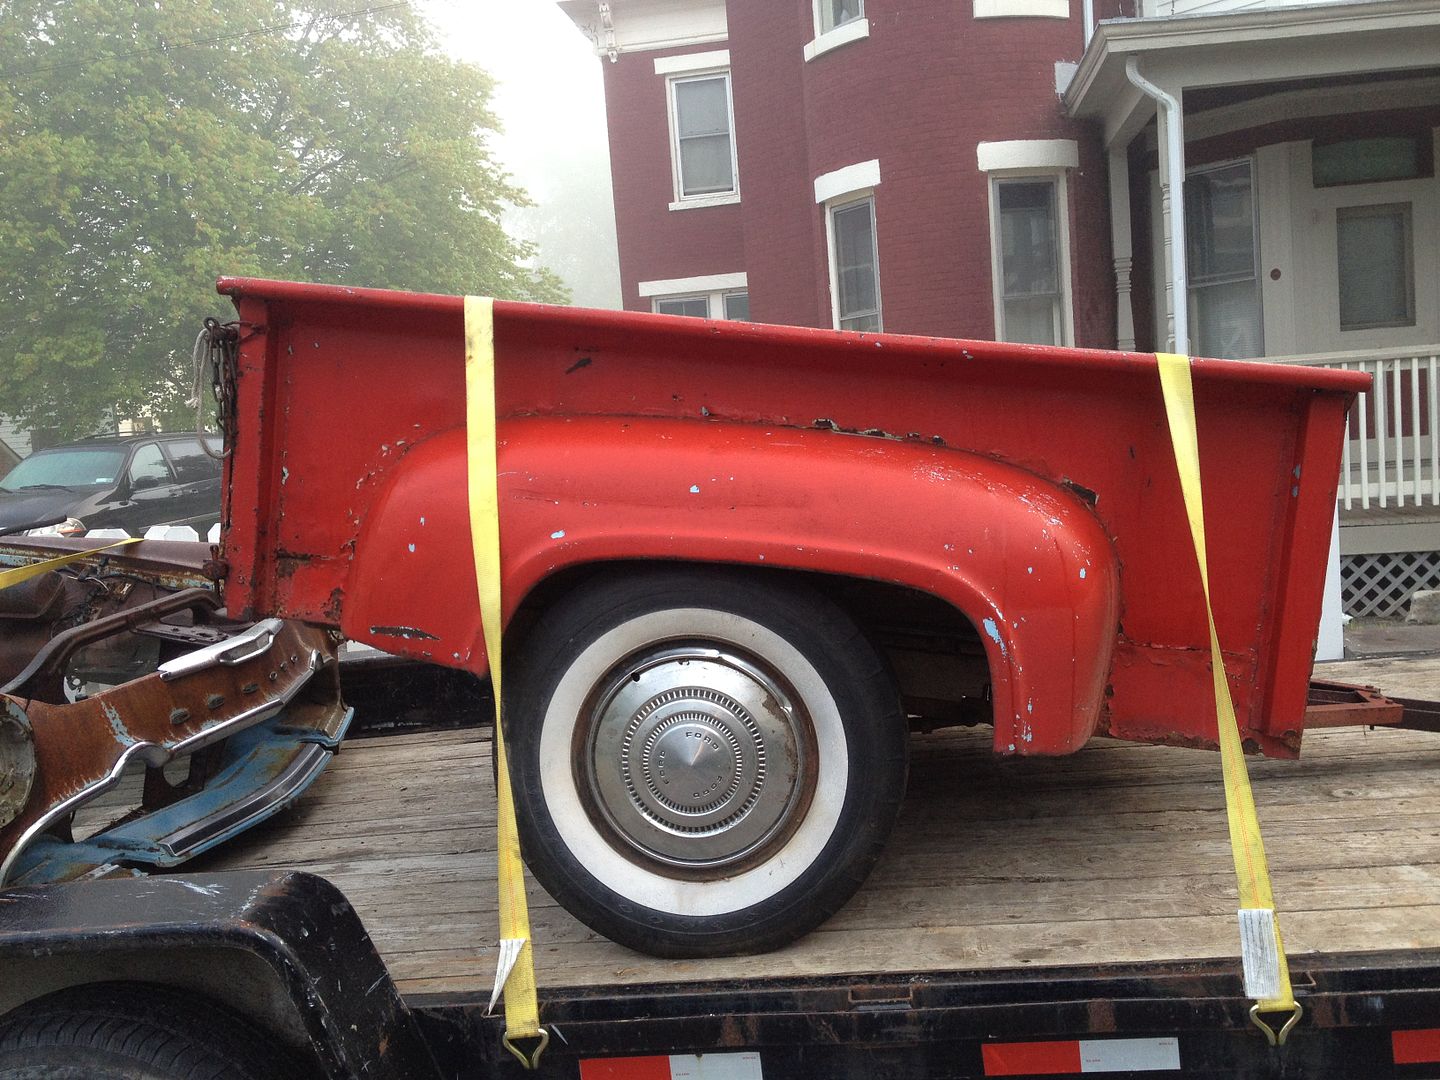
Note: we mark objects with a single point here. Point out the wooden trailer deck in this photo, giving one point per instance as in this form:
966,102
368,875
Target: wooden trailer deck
1118,853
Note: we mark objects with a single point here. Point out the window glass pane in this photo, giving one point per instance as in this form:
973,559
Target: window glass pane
148,465
701,107
1363,161
702,128
857,276
865,324
1031,320
191,464
1027,238
66,468
1377,286
835,13
1226,321
705,165
695,306
737,306
1220,224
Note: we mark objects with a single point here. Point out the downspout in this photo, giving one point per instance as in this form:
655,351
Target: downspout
1087,12
1175,194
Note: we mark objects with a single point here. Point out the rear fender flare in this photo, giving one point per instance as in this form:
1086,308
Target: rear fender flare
1025,560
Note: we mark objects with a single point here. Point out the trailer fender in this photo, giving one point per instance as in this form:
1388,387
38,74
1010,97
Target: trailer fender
284,950
1025,560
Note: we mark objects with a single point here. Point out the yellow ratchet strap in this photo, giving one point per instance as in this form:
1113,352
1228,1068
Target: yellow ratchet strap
1267,975
515,970
25,573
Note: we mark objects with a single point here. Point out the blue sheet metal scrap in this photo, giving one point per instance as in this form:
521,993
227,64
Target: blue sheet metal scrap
265,769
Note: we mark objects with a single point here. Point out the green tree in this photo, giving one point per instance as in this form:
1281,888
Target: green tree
148,147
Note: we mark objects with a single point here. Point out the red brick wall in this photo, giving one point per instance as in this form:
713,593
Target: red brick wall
784,232
927,85
657,242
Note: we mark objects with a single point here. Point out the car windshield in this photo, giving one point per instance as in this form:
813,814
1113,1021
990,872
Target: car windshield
87,467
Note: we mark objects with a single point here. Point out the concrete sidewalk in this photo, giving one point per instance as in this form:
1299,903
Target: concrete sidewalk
1402,659
1368,639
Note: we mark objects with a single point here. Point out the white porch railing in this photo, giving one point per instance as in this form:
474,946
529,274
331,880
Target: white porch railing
1392,453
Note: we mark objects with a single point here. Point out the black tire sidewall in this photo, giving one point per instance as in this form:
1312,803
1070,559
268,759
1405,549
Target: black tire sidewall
864,696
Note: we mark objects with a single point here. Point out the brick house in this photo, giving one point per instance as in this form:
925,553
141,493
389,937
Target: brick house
1002,169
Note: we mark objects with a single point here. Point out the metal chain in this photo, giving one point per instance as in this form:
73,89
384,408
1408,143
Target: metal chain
216,349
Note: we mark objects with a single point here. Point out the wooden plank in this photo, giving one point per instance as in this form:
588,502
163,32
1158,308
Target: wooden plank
1117,853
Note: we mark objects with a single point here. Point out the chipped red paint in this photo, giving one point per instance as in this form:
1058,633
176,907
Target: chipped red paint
959,468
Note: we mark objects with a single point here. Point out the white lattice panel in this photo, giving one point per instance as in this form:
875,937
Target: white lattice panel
1382,584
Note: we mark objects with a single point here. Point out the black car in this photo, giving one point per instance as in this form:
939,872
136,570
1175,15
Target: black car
128,482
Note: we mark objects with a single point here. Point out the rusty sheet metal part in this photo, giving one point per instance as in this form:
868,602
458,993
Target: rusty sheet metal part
175,564
82,749
1337,704
34,611
43,676
17,761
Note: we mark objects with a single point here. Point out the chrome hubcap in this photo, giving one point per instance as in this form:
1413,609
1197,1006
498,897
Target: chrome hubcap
695,758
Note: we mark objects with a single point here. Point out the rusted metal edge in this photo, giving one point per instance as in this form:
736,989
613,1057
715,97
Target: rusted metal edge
1337,704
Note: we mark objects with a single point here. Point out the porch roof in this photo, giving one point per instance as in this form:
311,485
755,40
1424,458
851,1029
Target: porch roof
1271,44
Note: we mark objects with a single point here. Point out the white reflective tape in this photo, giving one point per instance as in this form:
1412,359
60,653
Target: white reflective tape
1260,953
1129,1055
715,1066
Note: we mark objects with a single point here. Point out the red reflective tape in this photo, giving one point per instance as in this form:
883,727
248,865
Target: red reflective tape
631,1068
1028,1058
1415,1047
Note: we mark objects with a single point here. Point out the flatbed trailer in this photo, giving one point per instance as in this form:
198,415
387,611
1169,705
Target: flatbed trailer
994,938
1067,907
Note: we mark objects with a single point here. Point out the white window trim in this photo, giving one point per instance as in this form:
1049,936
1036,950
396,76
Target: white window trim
841,202
1033,9
1062,213
851,180
695,202
854,30
1036,154
668,287
693,63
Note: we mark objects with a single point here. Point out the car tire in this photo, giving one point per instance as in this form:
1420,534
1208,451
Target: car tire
119,1031
705,762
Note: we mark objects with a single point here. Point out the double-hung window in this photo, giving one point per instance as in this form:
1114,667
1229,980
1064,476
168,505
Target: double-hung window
1032,299
712,296
1030,237
847,199
714,305
702,139
1221,256
855,265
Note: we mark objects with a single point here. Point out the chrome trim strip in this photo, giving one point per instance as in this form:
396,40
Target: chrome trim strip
244,646
311,759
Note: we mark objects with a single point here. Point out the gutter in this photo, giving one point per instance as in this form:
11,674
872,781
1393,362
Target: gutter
1175,191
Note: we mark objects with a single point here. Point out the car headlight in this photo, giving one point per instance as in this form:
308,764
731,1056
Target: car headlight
71,526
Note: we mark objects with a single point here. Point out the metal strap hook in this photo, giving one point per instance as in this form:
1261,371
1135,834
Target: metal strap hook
1276,1037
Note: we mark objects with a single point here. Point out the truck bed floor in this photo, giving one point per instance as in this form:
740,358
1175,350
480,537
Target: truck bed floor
1118,853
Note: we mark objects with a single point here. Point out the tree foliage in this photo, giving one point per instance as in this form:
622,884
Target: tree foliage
148,147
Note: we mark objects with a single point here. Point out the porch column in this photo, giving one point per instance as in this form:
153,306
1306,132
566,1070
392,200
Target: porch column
1122,245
